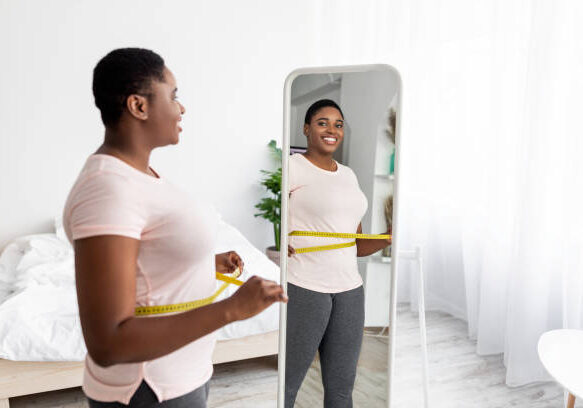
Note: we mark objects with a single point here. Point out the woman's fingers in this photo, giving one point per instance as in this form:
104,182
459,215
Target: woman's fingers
255,295
272,291
234,261
274,294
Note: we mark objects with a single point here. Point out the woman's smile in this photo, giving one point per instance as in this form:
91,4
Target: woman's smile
330,140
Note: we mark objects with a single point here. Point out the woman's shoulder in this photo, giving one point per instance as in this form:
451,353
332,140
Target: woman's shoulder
345,169
99,169
296,158
347,173
298,161
99,177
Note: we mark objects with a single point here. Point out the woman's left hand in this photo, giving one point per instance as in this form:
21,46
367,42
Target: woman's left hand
389,232
228,262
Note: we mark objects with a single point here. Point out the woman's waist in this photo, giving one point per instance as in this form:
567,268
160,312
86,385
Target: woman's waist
150,292
339,260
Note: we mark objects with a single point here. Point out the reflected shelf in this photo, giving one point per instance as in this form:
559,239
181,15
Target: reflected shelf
385,176
379,259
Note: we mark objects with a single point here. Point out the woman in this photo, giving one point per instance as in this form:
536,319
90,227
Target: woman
325,312
140,241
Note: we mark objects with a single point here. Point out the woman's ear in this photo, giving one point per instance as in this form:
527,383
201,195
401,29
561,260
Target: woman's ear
306,128
137,106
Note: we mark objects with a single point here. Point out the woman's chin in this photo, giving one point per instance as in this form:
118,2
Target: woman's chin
174,139
329,149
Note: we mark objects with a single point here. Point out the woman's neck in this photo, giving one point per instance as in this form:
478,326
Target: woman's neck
126,150
323,161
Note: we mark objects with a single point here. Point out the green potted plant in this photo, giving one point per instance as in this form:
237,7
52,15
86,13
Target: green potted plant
270,207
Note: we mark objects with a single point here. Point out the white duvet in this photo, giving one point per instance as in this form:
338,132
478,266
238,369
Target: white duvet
39,320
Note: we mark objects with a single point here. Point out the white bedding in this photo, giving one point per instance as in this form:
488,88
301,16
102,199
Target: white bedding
39,320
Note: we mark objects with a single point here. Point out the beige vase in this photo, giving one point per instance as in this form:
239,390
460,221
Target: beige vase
273,254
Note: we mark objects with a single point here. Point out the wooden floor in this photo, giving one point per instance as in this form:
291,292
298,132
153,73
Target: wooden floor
458,376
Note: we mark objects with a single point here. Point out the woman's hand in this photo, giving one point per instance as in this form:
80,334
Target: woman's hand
254,296
366,247
228,262
290,250
390,239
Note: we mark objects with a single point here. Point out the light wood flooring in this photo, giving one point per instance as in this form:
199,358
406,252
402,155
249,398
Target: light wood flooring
458,376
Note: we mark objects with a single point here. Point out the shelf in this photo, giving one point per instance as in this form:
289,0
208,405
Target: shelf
385,176
379,259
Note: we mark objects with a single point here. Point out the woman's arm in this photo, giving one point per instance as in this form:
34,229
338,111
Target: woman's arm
366,247
105,268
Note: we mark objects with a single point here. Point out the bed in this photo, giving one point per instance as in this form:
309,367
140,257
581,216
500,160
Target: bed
41,345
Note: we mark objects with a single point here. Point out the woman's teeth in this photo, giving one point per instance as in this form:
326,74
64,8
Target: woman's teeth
330,140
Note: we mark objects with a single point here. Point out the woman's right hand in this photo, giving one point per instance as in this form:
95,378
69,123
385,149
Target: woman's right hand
290,250
254,296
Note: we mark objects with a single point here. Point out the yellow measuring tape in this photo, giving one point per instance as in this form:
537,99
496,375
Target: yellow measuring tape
333,235
183,307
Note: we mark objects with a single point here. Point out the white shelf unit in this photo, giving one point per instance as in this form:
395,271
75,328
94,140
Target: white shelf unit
376,270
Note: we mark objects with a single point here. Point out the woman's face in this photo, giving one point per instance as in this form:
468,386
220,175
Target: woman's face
165,112
325,131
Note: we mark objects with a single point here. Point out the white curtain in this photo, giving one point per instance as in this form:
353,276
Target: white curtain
492,166
492,158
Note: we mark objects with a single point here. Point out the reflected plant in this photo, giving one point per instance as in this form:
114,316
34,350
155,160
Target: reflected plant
270,207
389,218
392,125
391,133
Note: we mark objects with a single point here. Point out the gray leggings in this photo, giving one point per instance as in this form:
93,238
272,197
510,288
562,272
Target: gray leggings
332,324
144,397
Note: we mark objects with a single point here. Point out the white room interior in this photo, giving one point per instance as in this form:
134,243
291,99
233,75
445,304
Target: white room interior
491,179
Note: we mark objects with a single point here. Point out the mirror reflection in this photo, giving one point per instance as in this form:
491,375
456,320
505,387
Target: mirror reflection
340,213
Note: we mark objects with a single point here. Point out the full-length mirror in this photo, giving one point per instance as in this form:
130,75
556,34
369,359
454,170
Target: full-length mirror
338,203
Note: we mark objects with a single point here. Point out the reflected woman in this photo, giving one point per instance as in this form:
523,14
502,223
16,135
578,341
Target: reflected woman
140,241
325,311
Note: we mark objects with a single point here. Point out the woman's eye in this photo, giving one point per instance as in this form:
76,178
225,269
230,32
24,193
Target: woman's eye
340,126
322,123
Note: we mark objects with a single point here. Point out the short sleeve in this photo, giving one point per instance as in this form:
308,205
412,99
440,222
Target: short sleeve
105,203
293,173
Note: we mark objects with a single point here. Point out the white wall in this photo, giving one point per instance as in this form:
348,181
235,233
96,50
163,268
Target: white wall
230,59
365,100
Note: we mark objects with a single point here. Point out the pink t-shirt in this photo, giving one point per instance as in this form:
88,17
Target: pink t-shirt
323,201
175,264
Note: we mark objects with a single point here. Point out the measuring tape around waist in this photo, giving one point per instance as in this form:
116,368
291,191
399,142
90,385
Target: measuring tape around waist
183,307
333,235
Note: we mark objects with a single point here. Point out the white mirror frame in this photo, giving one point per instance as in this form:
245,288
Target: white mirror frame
284,216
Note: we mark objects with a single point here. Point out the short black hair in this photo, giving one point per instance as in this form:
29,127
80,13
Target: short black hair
316,106
121,73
